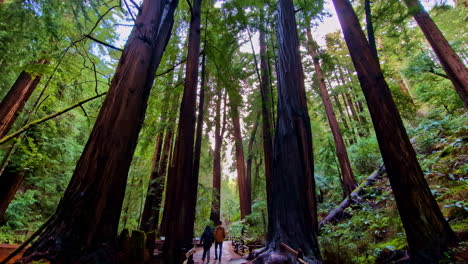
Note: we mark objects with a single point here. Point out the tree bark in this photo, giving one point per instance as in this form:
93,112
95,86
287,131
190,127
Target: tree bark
201,113
84,227
219,133
450,61
245,203
16,98
292,211
248,177
370,28
267,104
427,232
348,181
148,222
182,215
10,182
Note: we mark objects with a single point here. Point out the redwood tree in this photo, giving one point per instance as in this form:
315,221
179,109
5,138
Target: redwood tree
181,211
85,225
266,112
348,181
292,211
244,187
16,98
427,232
450,61
218,137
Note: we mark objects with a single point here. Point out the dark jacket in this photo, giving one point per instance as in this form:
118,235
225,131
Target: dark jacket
207,238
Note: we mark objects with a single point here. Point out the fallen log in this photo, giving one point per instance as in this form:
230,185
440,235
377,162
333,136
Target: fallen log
347,202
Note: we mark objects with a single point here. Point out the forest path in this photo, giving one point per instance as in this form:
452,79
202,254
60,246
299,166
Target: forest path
228,256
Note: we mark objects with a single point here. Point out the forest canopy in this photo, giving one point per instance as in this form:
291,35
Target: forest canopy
314,131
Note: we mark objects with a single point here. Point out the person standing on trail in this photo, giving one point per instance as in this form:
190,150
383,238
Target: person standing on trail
219,235
207,239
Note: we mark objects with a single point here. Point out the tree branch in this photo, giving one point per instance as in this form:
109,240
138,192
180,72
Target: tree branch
46,118
104,43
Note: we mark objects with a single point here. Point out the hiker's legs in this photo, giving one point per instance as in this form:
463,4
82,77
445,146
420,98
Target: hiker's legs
216,250
220,249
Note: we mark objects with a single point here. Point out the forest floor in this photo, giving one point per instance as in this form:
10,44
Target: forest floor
370,230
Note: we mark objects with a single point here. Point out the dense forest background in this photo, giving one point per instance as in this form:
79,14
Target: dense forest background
72,49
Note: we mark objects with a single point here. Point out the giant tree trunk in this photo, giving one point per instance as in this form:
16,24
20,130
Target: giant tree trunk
182,210
218,137
450,61
245,203
292,210
148,222
248,175
348,182
266,97
427,232
201,113
16,98
85,225
10,182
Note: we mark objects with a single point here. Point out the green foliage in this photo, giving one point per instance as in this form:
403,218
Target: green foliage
365,156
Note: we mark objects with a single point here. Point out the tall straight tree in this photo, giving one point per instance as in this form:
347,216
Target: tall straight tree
427,232
453,66
148,222
244,190
182,210
266,111
219,134
348,181
292,210
85,225
16,98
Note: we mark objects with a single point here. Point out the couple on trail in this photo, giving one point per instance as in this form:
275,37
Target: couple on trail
207,239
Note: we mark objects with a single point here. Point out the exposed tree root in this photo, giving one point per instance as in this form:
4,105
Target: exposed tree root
277,256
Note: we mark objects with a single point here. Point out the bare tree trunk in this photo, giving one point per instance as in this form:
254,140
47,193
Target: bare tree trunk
201,112
370,28
219,132
250,156
10,182
450,61
147,219
266,113
182,215
16,98
348,182
292,211
427,232
245,204
85,225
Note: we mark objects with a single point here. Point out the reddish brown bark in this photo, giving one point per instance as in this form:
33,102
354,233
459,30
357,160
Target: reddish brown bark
16,98
427,232
148,222
248,175
201,113
266,97
348,182
449,60
292,211
219,133
182,210
169,196
85,225
10,182
245,203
